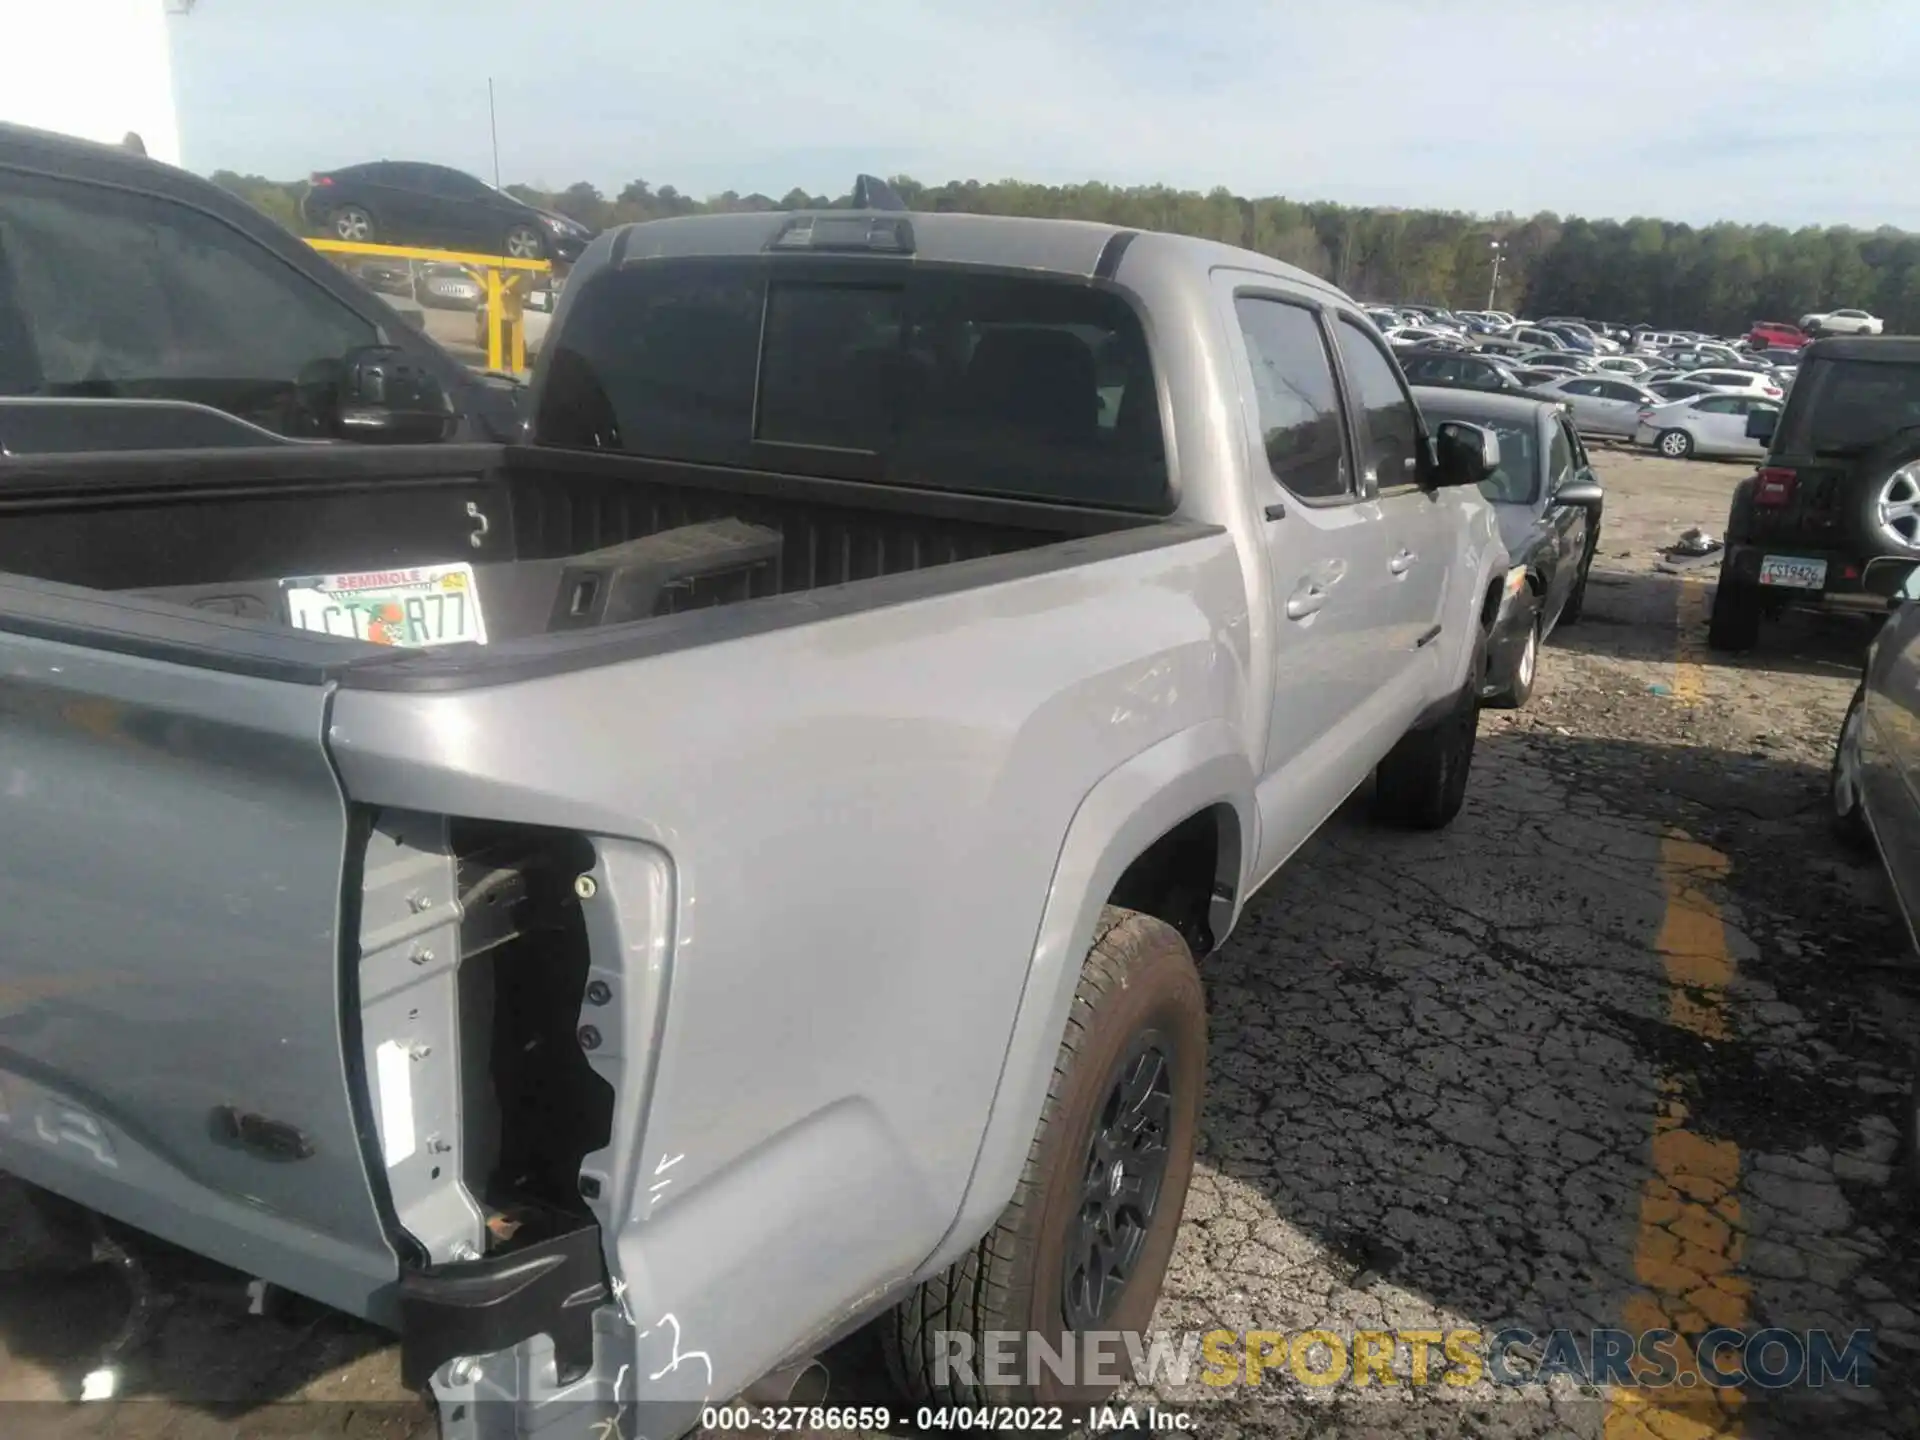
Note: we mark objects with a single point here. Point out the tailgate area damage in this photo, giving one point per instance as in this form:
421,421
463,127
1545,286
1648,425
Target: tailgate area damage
473,974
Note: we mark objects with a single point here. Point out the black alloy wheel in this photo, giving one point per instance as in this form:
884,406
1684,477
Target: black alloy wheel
1122,1178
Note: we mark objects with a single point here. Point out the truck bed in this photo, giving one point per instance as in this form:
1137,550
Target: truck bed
332,873
216,532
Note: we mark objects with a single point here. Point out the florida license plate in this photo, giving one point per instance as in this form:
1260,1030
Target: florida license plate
1793,573
419,605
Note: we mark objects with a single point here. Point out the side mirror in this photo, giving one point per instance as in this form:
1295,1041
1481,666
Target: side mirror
1761,424
1463,454
383,396
1587,494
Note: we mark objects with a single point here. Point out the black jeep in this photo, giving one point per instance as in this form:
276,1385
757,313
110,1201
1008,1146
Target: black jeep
1832,519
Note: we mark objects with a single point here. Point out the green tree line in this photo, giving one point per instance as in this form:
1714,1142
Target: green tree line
1716,278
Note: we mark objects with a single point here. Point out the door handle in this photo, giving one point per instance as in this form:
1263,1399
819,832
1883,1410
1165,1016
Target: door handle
1402,562
1306,600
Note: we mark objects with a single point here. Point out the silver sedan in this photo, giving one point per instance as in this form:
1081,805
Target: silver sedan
1604,404
1711,424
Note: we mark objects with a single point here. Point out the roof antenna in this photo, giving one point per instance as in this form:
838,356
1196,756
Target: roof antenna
870,192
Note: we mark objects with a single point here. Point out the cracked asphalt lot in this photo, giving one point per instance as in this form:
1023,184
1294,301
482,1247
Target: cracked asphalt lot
1628,1046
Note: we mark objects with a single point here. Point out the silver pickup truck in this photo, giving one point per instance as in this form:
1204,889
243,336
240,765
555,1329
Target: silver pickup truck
626,909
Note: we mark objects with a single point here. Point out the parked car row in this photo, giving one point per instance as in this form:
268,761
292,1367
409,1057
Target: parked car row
1681,393
1771,341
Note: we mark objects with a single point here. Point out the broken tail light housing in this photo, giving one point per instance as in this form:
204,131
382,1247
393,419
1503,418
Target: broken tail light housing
1774,487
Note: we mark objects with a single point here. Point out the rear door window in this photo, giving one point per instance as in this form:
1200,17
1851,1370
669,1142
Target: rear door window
1300,425
940,378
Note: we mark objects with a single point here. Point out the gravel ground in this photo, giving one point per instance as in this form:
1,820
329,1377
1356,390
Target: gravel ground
1627,1046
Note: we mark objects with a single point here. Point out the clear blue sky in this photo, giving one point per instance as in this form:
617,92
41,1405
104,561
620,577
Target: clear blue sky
1790,111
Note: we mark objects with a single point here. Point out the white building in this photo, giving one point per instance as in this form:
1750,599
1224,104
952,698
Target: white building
98,69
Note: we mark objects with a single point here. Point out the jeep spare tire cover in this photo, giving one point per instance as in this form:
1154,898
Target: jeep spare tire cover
1878,481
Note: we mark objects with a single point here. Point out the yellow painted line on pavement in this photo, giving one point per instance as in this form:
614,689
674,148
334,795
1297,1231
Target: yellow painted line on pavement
1688,1248
1689,666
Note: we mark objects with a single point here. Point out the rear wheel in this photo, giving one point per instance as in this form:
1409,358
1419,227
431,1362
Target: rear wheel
1423,781
1083,1244
351,222
1674,444
1843,783
1734,622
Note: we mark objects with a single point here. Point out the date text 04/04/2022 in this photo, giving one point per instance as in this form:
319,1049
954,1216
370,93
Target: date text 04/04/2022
995,1419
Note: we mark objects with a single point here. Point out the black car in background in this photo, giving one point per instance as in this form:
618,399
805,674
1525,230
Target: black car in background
1832,519
1547,501
401,202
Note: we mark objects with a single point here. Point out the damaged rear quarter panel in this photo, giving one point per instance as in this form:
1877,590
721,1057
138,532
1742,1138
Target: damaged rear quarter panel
823,857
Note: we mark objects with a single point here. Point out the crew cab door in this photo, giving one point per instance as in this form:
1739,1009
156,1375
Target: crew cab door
172,980
1418,532
1323,545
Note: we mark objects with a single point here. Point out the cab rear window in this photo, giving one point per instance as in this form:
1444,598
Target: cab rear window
940,379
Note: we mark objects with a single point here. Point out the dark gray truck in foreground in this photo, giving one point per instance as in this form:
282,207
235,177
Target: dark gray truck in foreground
626,909
144,308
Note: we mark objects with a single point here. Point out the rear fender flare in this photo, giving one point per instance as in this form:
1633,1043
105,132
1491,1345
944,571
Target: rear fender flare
1189,772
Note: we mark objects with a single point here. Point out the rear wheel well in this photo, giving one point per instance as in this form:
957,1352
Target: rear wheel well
1188,877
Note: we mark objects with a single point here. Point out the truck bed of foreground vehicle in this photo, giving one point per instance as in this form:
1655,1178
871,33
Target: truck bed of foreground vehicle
754,891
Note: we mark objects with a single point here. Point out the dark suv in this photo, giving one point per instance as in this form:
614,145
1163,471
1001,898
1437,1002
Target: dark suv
1832,519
